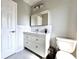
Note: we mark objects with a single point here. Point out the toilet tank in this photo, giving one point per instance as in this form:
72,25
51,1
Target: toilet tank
66,44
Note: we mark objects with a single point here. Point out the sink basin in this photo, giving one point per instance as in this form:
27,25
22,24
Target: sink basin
40,30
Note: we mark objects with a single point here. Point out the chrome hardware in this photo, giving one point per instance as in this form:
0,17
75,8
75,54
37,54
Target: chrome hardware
27,42
36,46
36,39
13,31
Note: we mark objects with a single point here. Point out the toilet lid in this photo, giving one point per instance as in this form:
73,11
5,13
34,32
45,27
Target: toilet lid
64,55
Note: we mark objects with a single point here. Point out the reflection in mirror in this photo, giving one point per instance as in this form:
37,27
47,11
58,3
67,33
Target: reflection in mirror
39,19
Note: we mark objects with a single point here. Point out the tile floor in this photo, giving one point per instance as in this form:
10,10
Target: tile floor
25,54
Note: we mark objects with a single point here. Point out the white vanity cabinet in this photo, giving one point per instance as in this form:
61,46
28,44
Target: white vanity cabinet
38,43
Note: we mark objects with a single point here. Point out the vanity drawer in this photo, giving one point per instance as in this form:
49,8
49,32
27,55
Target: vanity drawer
34,39
29,45
39,40
39,36
39,49
27,37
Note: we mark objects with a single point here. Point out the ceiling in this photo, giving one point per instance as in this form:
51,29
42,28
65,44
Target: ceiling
32,2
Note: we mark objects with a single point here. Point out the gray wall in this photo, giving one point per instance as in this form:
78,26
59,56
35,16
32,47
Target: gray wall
23,13
63,17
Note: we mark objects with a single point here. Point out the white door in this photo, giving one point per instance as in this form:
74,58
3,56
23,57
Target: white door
9,18
12,27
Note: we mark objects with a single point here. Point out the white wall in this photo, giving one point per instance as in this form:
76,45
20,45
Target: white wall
23,13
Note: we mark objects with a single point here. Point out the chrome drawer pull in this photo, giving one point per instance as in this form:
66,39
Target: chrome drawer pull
27,37
36,39
36,46
13,31
27,42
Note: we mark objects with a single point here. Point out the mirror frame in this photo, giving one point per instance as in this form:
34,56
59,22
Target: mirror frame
43,12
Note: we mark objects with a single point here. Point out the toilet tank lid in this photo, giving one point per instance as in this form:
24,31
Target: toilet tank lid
66,39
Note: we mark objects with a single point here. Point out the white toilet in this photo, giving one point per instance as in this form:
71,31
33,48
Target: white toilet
66,46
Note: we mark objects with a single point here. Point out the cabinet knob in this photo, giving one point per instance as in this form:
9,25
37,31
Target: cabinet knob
27,42
36,46
27,37
36,39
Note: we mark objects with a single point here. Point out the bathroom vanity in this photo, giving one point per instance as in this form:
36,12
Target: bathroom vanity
37,42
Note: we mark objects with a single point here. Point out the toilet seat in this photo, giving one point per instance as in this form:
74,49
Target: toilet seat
64,55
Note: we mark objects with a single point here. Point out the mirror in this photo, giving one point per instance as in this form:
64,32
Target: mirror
40,19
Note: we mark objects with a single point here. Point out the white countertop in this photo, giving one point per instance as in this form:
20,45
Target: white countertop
37,33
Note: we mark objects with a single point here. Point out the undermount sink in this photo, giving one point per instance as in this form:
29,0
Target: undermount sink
40,30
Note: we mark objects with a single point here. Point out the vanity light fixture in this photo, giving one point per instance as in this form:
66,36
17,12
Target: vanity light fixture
37,7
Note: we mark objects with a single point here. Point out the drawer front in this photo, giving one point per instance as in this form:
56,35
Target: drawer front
27,37
29,45
34,39
39,49
39,40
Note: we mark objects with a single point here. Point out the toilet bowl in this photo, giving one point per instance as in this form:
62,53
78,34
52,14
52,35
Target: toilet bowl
66,46
64,55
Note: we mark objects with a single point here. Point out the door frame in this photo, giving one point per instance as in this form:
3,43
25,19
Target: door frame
0,30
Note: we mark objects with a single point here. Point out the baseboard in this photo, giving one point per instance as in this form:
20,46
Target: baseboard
33,52
19,50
